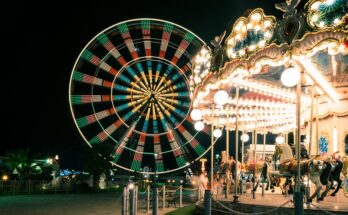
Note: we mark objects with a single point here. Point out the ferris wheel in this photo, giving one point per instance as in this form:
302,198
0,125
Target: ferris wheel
129,96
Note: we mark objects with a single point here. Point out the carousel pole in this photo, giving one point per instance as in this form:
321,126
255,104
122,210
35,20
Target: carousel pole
298,197
235,197
264,144
311,123
254,139
316,125
242,162
227,150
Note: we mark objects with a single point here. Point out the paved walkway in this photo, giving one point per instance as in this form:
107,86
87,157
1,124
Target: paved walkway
69,204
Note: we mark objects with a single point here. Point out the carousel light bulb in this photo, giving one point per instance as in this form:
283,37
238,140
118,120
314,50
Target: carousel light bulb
196,114
290,77
256,17
336,21
221,97
279,139
267,23
315,5
329,2
244,138
314,18
217,132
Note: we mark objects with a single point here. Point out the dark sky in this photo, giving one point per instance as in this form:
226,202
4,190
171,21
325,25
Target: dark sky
45,40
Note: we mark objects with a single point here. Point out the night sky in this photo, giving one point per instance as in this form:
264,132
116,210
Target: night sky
44,41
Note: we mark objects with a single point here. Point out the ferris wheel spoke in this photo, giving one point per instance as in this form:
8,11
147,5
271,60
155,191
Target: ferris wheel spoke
126,80
199,149
138,155
108,45
87,99
123,28
182,47
90,119
88,79
93,59
123,142
176,102
136,78
120,87
179,158
161,118
167,114
143,76
142,102
103,135
173,109
146,31
167,31
158,151
176,94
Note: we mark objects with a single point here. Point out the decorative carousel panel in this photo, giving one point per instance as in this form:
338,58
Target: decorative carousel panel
327,13
250,34
323,145
129,95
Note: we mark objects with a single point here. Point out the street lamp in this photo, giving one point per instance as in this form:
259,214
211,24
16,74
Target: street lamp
291,77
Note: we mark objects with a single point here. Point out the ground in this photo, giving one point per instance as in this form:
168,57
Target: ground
69,204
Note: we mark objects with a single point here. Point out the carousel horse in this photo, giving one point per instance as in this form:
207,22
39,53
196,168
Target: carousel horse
257,169
288,166
335,175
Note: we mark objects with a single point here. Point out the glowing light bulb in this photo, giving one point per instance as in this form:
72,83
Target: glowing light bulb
196,114
199,125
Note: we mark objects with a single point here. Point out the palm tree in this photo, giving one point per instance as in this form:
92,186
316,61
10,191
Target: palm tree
18,162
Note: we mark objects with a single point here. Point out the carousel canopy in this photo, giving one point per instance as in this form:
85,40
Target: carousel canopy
265,58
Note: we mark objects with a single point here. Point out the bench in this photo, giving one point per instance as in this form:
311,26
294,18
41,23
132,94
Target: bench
170,197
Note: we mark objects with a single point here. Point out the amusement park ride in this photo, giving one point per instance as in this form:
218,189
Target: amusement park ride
143,91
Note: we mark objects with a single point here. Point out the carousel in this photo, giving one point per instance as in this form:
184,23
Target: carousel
285,79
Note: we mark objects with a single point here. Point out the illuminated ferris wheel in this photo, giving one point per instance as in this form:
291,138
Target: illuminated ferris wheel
129,95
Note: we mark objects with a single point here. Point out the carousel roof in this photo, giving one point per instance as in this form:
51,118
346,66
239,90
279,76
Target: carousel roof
258,50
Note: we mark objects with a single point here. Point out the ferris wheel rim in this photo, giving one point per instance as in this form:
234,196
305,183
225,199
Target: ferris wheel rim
71,82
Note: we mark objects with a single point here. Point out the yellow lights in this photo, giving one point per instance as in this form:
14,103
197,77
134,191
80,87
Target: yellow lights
196,114
199,125
329,2
130,186
256,21
256,17
217,132
290,77
4,177
244,138
221,97
337,21
279,139
315,5
201,67
314,18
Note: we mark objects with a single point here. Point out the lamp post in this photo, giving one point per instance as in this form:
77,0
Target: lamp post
154,189
291,77
235,197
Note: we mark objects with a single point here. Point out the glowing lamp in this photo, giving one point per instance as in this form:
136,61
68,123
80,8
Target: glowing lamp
196,114
199,125
279,139
217,133
131,186
244,138
290,77
221,97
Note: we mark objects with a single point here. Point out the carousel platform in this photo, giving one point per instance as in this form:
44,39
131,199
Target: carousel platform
274,204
